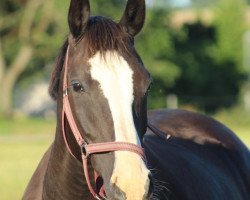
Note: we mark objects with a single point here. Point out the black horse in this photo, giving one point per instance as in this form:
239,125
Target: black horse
107,87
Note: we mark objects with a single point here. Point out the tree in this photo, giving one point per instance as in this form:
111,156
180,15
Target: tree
111,8
155,45
204,82
25,27
230,25
203,3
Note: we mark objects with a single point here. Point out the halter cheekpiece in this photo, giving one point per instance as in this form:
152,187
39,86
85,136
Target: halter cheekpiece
89,149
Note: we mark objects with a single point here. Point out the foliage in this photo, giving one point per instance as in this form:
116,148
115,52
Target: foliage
206,60
28,37
230,28
196,60
203,3
155,46
46,33
204,81
210,58
112,8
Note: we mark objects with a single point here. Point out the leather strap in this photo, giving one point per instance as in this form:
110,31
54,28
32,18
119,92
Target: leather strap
158,132
88,149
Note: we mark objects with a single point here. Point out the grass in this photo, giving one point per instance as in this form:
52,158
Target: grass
18,159
22,144
24,141
238,121
27,126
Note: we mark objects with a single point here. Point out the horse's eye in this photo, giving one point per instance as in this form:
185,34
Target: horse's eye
78,87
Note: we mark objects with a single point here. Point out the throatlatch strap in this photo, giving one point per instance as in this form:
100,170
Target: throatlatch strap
158,132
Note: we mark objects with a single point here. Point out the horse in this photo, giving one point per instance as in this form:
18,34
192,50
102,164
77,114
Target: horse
101,85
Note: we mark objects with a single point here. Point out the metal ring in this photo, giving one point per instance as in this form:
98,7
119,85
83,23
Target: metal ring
83,149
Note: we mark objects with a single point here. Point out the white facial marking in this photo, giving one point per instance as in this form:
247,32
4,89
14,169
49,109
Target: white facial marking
116,82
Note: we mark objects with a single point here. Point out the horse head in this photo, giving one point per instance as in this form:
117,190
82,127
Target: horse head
107,90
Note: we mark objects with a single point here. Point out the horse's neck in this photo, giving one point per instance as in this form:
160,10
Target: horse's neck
64,178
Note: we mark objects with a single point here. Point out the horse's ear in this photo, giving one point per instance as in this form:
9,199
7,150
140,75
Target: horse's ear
79,12
134,16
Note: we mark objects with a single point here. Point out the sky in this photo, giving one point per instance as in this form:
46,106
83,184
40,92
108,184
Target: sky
180,3
174,3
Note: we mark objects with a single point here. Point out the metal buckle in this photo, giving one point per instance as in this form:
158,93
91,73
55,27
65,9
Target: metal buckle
65,92
98,197
83,149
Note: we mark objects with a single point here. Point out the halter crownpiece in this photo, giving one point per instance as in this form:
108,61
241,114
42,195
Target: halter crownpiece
89,149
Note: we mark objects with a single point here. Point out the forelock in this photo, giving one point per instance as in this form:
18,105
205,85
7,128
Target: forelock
103,34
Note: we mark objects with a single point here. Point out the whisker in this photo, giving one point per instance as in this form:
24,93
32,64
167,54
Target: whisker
160,186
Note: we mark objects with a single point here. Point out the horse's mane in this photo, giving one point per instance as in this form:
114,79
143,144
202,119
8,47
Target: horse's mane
55,77
101,35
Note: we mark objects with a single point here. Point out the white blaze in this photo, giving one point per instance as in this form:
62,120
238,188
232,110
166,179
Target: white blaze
116,82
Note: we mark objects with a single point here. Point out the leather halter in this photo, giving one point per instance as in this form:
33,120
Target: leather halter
89,149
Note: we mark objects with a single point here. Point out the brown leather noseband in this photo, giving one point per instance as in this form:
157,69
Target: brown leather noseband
89,149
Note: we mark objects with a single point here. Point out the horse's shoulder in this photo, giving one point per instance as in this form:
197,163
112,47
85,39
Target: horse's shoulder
193,126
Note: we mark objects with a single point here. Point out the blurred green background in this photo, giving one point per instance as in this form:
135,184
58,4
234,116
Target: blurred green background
198,52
